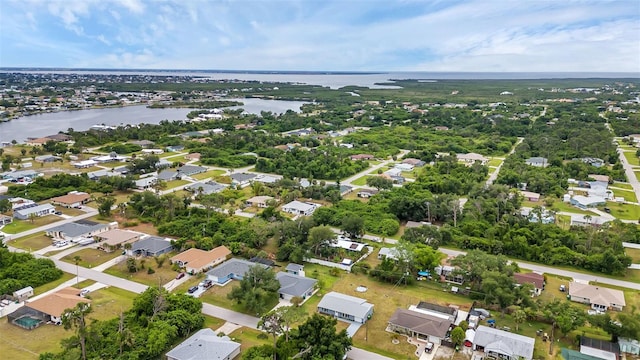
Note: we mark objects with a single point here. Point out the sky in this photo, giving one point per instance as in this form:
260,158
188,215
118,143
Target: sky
323,35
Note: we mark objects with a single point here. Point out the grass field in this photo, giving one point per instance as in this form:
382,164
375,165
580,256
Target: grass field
32,242
248,338
18,226
622,185
495,162
208,174
623,211
634,254
361,181
175,183
632,158
161,276
91,257
627,195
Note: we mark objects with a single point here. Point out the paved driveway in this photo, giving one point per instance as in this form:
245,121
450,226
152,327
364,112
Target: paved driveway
353,328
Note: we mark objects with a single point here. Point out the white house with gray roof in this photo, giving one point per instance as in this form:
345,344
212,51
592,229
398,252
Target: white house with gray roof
75,231
232,269
150,246
205,344
37,211
241,179
205,188
300,208
503,344
295,285
345,307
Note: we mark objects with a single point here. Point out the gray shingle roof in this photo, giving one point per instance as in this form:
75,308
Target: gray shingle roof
166,175
151,244
77,228
294,267
294,285
242,177
421,323
233,266
504,342
204,345
209,187
191,169
345,304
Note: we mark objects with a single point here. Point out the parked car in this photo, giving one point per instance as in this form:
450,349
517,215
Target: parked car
180,276
61,243
206,283
84,292
193,289
429,347
58,212
563,288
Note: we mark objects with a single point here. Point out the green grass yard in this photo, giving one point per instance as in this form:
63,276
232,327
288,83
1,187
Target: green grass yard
161,276
622,185
90,257
632,158
495,162
175,183
634,254
628,195
18,226
361,181
208,174
623,211
32,242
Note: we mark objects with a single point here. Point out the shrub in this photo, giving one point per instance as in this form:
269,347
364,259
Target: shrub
150,271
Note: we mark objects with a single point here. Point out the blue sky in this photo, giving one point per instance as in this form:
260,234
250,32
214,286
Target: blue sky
346,35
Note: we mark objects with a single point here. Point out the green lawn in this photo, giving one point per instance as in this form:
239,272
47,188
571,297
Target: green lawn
622,185
634,254
32,242
495,162
565,207
208,174
161,276
623,211
18,226
632,158
248,338
212,322
361,181
52,285
627,195
217,295
175,183
91,257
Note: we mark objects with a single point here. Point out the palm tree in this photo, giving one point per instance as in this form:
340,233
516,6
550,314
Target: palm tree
76,318
76,260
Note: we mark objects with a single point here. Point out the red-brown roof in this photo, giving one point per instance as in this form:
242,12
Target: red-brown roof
529,278
56,303
71,198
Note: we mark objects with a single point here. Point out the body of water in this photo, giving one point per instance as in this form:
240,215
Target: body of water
51,123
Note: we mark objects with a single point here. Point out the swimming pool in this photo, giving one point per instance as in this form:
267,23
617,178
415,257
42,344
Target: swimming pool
27,322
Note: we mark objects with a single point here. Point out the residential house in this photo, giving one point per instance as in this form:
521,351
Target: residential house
599,348
295,286
295,269
267,179
114,239
629,346
588,220
414,162
388,253
190,170
585,202
84,164
448,274
530,196
25,212
534,279
595,162
96,175
233,269
79,229
150,246
205,188
111,157
347,244
537,161
205,344
36,141
146,183
74,199
51,307
503,344
345,307
366,193
152,151
143,143
175,148
193,156
361,157
576,355
472,158
5,219
20,175
600,298
242,179
23,294
167,175
47,158
419,325
599,178
444,312
259,201
393,172
197,260
300,208
300,132
415,224
404,167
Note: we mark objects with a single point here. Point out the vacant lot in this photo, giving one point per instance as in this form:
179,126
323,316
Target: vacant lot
208,174
91,257
32,242
622,185
18,226
161,276
632,158
628,195
623,211
634,253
